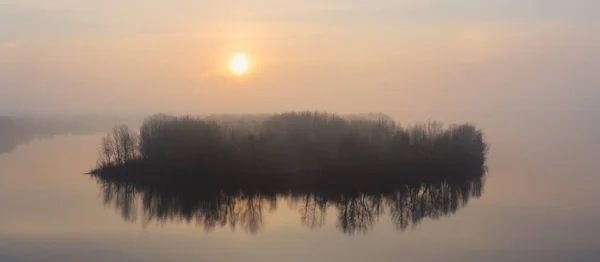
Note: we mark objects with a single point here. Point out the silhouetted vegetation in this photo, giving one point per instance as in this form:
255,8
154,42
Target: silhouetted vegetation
291,150
357,211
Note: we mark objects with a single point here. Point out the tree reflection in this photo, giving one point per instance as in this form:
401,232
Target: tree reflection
356,211
409,206
312,209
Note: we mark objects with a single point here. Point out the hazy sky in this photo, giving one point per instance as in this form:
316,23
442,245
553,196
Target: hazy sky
337,55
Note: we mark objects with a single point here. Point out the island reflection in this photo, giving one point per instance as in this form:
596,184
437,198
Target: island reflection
357,211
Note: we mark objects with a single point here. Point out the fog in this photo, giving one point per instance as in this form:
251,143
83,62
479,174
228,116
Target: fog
398,57
223,178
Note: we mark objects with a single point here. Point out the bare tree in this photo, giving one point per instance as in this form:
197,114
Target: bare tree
107,151
125,144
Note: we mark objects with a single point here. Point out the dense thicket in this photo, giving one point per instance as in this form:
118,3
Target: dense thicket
292,149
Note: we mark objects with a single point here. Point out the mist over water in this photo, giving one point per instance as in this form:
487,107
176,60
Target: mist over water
522,73
536,204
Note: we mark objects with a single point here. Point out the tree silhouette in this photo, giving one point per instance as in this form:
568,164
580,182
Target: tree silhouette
291,149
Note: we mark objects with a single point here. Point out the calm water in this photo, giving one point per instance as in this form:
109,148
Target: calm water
539,203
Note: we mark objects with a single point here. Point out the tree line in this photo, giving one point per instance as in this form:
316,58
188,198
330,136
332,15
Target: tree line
292,149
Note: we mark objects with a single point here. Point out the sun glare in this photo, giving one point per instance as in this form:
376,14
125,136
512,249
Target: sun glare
239,64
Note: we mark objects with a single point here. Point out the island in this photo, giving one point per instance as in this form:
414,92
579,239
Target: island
292,150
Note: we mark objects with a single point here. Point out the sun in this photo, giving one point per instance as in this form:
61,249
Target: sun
239,64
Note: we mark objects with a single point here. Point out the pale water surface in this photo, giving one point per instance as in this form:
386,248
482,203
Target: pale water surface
539,203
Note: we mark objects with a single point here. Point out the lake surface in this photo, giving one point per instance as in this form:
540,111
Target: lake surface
539,203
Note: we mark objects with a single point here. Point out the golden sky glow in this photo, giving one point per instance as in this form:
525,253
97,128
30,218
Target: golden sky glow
382,55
